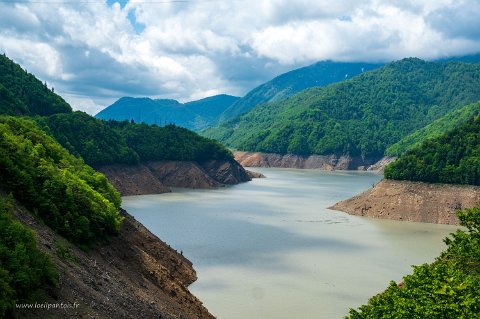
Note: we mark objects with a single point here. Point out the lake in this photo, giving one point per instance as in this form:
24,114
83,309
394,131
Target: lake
270,248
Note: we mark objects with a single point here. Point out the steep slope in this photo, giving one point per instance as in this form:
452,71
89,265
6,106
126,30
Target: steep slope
452,158
358,117
21,93
287,84
435,129
122,268
194,115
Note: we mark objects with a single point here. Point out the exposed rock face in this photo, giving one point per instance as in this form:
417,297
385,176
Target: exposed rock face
157,177
324,162
133,179
182,174
227,172
380,165
412,201
136,275
253,174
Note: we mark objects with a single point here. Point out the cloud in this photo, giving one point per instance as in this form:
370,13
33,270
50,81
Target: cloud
457,20
94,52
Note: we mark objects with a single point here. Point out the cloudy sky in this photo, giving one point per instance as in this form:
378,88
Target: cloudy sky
96,51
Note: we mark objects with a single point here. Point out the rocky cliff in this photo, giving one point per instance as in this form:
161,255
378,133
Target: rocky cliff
324,162
135,275
412,201
158,176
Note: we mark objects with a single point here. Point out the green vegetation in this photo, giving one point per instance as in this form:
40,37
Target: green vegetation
93,140
361,116
110,142
23,268
434,129
447,288
69,196
451,158
21,93
287,84
170,143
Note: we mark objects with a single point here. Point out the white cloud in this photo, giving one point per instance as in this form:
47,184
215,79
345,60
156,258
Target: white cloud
92,54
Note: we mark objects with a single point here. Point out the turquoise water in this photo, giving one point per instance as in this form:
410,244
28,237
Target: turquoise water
270,248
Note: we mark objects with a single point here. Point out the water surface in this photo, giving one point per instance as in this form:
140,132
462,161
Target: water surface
270,248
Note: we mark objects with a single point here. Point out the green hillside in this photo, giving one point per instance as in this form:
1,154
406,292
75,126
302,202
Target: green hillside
21,93
67,195
194,115
451,158
23,267
101,142
361,116
287,84
437,128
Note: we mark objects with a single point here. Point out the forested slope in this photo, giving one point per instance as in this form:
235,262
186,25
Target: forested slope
21,93
101,142
361,116
435,129
451,158
318,74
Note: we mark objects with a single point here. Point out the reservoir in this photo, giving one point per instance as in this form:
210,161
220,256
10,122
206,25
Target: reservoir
271,248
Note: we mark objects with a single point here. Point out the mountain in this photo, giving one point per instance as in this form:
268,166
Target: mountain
435,129
194,115
361,116
287,84
451,158
101,142
21,93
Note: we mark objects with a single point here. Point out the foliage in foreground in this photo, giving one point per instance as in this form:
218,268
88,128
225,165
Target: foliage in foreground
451,158
23,268
69,196
447,288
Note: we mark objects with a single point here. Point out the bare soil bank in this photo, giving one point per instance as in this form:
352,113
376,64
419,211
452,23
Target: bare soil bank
412,201
324,162
136,275
157,177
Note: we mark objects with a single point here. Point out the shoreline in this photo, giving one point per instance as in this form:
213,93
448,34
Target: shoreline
323,162
412,201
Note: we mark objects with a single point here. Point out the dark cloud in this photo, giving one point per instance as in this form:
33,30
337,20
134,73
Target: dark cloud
460,20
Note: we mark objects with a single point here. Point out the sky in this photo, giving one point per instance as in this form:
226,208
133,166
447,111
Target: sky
93,52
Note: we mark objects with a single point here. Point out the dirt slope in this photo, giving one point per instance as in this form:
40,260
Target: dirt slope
412,201
135,276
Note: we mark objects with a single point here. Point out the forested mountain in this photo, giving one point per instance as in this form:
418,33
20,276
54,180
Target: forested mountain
287,84
21,93
194,115
101,142
361,116
451,158
435,129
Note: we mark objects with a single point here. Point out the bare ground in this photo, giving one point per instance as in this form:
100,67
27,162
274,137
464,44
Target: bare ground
412,201
135,275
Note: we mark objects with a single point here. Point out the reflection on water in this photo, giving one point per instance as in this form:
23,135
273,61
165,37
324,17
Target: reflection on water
271,248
